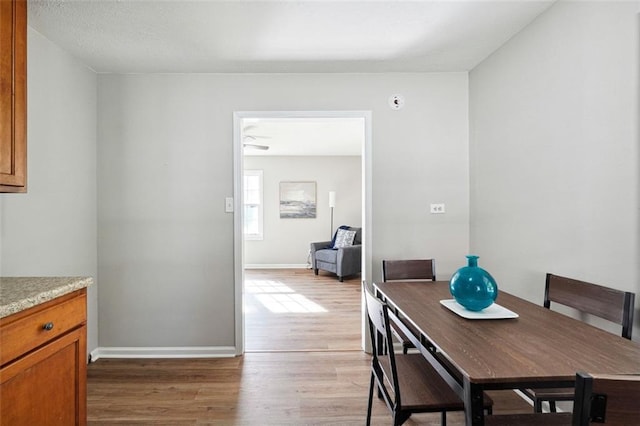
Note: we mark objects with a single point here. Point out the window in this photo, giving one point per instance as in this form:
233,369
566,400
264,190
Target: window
253,210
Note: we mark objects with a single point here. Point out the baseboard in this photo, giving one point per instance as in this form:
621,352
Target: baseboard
164,352
278,266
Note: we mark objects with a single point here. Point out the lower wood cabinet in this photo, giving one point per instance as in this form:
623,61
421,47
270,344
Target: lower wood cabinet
44,370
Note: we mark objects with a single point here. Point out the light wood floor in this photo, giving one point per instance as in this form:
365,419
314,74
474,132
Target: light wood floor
274,383
293,309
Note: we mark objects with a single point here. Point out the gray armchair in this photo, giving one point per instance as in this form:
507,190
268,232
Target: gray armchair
343,261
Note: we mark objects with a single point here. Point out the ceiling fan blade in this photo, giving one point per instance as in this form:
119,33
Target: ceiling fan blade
255,146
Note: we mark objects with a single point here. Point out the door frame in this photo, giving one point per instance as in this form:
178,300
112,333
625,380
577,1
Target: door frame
238,170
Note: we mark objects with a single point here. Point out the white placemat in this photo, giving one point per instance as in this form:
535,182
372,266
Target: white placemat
494,311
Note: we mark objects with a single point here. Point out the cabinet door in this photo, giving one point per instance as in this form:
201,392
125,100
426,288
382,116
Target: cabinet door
6,90
13,95
48,386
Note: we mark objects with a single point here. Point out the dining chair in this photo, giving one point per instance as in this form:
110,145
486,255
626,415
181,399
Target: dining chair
599,399
606,399
406,382
610,304
407,270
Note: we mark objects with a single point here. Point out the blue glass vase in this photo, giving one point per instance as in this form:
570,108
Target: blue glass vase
473,287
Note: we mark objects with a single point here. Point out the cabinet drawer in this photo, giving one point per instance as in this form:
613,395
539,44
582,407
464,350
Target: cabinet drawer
41,324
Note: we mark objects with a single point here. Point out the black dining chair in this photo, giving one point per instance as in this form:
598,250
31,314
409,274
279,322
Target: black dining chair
599,399
606,399
406,382
610,304
407,270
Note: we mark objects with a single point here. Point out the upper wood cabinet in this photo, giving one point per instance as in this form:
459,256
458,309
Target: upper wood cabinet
13,96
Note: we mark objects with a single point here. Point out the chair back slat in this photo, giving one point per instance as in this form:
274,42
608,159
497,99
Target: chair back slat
611,304
415,269
607,399
376,312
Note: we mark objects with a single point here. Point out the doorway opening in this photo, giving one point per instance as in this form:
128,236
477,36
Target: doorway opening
296,149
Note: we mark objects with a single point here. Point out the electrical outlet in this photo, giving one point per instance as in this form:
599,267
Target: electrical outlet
437,208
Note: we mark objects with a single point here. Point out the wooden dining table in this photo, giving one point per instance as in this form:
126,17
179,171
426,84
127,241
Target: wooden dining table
539,348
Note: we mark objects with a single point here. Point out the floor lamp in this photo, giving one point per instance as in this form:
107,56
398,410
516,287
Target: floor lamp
332,204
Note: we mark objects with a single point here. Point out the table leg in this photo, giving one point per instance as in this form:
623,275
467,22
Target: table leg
473,404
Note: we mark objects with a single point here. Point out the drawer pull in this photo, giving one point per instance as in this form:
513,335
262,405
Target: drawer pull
48,326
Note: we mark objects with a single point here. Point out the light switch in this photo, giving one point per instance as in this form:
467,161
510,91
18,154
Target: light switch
228,204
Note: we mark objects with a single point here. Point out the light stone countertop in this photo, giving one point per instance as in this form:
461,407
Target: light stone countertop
20,293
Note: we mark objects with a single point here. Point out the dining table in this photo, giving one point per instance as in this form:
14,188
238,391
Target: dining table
517,344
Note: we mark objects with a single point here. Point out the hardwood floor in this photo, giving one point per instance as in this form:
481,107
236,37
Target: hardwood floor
310,372
295,310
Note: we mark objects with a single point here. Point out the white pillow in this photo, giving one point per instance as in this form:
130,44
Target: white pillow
344,238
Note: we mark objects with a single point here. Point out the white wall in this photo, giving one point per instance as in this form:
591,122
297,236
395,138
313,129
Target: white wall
554,172
554,150
286,241
51,230
165,162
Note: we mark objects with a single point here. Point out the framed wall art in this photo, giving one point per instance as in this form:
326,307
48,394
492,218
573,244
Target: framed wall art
297,200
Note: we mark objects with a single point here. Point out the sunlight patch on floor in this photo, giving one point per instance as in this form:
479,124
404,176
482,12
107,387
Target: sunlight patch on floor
266,286
279,298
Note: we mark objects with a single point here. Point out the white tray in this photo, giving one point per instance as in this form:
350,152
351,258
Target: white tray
494,311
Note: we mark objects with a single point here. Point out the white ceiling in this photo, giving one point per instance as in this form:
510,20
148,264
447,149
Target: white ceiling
276,36
143,36
303,136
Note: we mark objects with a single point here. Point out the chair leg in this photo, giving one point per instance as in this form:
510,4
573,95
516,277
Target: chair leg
399,417
341,279
552,406
315,271
443,422
537,405
370,404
